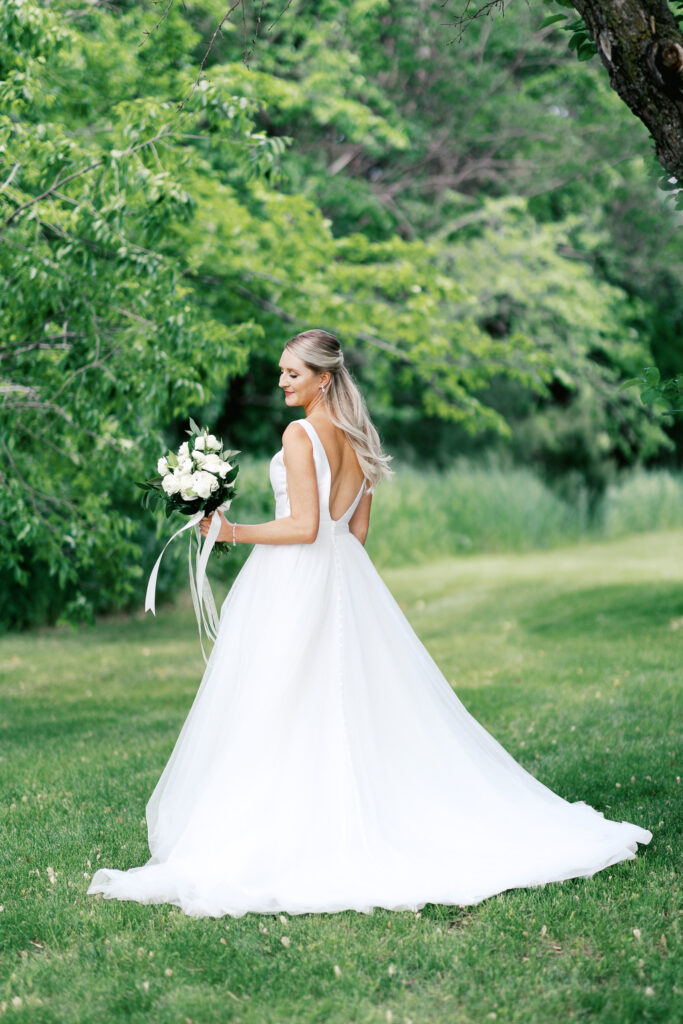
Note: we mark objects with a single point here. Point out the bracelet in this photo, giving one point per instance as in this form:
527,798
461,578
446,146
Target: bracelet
233,534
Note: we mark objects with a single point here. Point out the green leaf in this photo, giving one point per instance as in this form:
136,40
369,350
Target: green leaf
649,396
552,19
651,376
631,383
150,485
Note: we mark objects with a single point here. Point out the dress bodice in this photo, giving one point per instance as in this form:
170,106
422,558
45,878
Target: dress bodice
278,479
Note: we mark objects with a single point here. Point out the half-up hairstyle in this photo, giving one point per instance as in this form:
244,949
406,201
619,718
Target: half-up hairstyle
343,401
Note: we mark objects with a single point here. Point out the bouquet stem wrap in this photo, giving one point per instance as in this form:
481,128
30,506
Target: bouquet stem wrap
200,588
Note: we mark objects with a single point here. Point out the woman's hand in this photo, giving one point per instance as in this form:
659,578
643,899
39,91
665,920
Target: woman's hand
225,532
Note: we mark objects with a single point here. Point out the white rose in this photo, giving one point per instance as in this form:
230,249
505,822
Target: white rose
185,466
224,468
187,490
199,443
213,443
184,450
199,458
171,484
211,463
162,466
203,484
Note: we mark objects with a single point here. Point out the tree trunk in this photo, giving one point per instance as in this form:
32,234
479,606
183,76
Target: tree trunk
641,46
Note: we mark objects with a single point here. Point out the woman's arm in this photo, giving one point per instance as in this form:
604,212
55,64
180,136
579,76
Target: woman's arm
301,526
359,523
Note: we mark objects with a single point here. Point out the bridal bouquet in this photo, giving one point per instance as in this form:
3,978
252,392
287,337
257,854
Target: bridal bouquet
198,477
196,480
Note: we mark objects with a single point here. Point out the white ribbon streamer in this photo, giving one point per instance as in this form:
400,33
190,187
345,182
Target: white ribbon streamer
200,588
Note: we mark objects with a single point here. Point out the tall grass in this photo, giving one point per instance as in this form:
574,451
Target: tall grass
642,502
423,515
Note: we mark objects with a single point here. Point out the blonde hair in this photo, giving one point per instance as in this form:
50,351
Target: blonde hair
345,405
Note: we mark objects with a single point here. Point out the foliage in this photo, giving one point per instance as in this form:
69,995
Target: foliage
654,390
139,240
580,39
103,341
507,116
163,236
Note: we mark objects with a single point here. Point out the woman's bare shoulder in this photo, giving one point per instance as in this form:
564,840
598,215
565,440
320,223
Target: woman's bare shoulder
294,433
296,445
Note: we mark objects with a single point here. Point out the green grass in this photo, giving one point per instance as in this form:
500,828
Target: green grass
570,658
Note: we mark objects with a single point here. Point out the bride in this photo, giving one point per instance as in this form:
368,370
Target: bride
326,764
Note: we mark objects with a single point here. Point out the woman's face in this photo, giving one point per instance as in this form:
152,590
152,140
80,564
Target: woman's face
300,384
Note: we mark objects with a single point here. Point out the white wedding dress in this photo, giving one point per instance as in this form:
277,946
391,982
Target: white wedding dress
326,764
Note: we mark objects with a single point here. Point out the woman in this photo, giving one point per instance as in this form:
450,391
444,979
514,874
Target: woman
326,764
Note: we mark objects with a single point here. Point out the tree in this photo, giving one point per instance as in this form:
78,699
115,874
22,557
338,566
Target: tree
161,242
641,44
147,254
495,153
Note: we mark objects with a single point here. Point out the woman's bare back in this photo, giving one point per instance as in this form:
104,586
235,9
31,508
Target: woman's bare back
346,474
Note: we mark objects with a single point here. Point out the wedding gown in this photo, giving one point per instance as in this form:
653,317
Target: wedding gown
326,764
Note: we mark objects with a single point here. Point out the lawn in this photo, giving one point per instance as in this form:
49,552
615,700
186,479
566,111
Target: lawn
571,658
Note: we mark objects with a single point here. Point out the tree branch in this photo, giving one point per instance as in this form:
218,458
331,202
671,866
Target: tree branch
58,182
